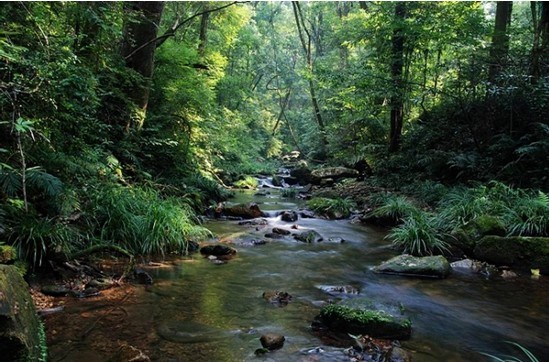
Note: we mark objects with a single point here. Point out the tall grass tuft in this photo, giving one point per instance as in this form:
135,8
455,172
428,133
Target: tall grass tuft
142,222
529,216
418,235
35,237
395,207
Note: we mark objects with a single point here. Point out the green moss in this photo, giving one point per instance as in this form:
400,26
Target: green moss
8,254
374,322
466,237
517,251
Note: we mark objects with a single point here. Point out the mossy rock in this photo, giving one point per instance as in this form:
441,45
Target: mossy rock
466,237
517,251
408,265
334,173
8,254
20,329
361,316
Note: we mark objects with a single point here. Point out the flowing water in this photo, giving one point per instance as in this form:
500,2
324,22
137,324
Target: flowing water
198,310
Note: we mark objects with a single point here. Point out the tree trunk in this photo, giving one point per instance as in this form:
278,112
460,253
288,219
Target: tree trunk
541,40
500,40
306,45
204,21
397,65
141,28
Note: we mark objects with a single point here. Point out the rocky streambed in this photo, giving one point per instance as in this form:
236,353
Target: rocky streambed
270,287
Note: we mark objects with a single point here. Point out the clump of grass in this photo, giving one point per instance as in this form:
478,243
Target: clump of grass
418,235
333,208
142,222
395,207
529,216
35,237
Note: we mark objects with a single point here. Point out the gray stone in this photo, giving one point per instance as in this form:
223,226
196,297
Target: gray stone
309,236
426,266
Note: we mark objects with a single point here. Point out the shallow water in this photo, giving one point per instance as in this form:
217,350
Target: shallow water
201,311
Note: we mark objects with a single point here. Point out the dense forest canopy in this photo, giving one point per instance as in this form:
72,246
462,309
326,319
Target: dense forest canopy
131,111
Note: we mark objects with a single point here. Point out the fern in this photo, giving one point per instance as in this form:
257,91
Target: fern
39,179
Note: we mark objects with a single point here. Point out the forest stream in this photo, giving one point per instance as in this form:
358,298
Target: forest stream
198,310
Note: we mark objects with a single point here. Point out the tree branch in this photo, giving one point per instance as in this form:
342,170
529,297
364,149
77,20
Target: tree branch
171,32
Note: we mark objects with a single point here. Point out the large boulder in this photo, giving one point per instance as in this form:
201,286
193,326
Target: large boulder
20,329
334,173
245,211
302,173
426,266
466,237
362,316
518,251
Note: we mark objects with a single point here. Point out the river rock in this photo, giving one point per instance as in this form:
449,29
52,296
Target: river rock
277,297
397,354
307,214
518,251
219,250
309,236
254,222
289,216
142,277
426,266
334,173
245,211
20,328
361,316
272,341
466,237
302,173
281,231
338,289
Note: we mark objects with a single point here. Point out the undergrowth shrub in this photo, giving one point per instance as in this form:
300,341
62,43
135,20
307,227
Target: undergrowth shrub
395,207
289,192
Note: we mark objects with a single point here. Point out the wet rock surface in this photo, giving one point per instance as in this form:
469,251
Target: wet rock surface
309,236
408,265
218,250
277,298
272,341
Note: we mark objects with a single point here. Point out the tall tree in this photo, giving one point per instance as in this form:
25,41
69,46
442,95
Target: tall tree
500,40
397,65
306,40
203,37
541,38
141,28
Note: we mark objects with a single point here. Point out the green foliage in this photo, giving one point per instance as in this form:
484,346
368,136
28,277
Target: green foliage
508,358
142,222
249,182
528,216
37,238
337,208
42,342
419,235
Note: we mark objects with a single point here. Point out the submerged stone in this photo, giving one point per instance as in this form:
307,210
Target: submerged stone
426,266
289,216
